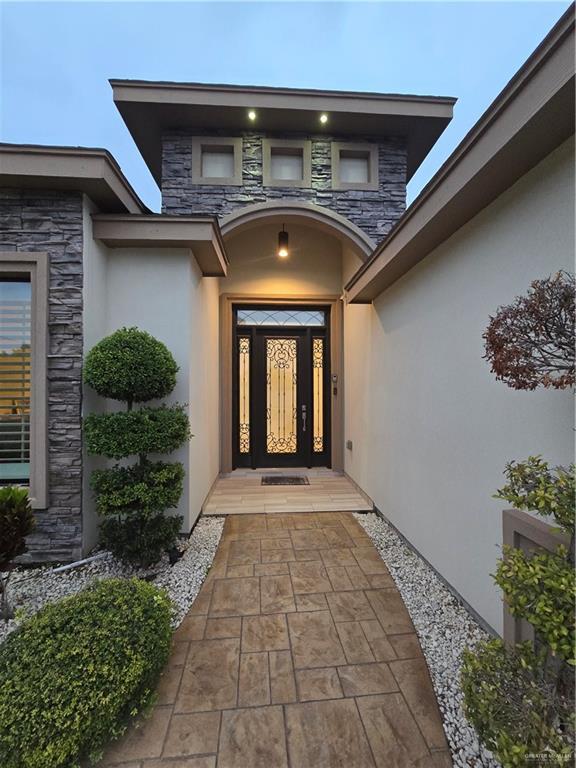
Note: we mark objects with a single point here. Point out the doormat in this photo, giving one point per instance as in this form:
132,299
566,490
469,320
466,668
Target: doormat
285,480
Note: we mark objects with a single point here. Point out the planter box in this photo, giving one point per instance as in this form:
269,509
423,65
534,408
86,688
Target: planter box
530,534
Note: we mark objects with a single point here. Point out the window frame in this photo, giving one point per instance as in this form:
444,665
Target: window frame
35,266
198,144
269,145
371,150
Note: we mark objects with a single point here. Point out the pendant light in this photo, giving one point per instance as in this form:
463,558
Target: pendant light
283,244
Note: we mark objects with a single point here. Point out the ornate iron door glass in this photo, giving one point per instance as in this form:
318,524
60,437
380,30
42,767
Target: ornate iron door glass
281,395
272,316
281,390
318,394
244,344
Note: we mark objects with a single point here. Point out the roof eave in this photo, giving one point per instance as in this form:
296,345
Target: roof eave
199,234
150,108
92,171
531,117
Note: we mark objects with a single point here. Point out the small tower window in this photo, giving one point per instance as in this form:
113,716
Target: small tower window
286,163
217,161
354,166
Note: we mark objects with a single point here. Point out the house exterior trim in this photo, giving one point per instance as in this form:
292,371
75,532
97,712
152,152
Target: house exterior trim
227,302
288,210
532,116
94,172
269,145
199,142
36,265
200,234
148,109
371,151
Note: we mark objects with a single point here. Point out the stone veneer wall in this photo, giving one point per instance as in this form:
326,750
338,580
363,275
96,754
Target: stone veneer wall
51,221
373,211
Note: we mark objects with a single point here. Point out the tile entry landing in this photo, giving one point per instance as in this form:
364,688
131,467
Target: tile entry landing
242,492
298,652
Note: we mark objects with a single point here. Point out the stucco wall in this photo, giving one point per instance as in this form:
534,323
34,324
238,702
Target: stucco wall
431,427
374,211
314,266
162,292
204,390
50,221
95,293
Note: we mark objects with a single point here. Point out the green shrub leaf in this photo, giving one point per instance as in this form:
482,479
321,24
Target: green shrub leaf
146,488
541,588
514,706
139,539
71,676
533,486
16,522
128,433
132,366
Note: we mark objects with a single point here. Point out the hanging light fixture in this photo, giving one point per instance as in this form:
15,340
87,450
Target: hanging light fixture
282,244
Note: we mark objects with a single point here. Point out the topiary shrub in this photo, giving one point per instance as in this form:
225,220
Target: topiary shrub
73,674
16,522
139,539
147,487
148,430
132,366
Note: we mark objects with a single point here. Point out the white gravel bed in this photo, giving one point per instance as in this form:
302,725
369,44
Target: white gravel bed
445,628
32,588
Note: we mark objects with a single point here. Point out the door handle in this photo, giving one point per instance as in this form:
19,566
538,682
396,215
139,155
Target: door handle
303,418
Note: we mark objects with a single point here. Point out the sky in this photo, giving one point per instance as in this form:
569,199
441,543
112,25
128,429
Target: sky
56,59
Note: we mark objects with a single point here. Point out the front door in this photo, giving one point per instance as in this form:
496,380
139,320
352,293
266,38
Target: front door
281,392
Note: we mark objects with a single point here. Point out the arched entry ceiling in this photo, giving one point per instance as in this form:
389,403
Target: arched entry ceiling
285,211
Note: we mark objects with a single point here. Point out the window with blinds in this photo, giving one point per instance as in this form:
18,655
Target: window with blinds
15,377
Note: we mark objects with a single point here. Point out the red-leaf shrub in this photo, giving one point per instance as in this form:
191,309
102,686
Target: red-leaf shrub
530,342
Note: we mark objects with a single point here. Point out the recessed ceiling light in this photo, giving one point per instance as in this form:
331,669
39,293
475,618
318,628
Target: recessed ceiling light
323,118
252,115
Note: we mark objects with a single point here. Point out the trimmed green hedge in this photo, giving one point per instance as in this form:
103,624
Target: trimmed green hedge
130,365
74,673
146,488
127,433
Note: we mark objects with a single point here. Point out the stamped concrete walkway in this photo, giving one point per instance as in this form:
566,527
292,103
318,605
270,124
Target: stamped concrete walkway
298,652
